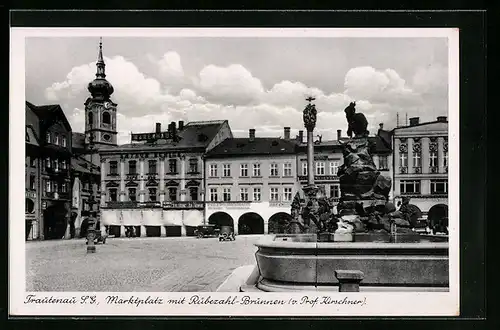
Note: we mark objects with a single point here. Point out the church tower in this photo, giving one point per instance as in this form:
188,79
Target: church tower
100,111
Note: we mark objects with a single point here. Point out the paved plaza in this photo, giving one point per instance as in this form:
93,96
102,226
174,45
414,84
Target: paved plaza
177,264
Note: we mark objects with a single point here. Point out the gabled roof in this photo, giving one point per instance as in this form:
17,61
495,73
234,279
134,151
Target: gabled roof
249,147
193,135
79,164
47,114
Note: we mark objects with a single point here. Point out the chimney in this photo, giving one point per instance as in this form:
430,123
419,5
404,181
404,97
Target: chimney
158,127
181,125
414,121
339,134
301,136
442,119
287,133
173,130
251,134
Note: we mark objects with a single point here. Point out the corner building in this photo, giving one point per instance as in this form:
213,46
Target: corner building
421,165
251,182
155,184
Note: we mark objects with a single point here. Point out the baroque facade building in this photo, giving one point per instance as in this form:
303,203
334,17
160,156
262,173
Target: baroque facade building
421,165
155,184
251,182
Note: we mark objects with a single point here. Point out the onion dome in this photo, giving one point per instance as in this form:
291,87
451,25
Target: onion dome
100,88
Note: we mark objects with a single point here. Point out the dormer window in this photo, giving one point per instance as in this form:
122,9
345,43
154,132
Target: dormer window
47,137
63,141
56,138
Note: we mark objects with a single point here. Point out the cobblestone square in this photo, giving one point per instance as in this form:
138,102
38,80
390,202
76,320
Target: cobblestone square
177,264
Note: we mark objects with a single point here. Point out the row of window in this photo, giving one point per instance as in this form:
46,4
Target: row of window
439,186
153,166
247,194
417,159
55,164
320,168
153,194
50,186
56,139
256,170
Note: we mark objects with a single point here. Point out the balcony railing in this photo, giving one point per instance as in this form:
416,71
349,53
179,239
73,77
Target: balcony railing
417,169
403,169
433,169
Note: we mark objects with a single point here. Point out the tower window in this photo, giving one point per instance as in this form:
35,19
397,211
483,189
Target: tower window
106,118
106,137
91,119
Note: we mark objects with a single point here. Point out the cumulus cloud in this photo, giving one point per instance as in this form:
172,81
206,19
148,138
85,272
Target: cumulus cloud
233,93
170,65
233,84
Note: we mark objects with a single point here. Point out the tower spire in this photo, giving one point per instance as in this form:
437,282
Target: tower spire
100,62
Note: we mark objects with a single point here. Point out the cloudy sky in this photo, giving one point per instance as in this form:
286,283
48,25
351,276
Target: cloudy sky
253,82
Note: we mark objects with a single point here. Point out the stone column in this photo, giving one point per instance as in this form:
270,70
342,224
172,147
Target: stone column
235,229
162,180
310,158
141,182
122,180
183,178
103,182
122,231
266,227
163,231
143,231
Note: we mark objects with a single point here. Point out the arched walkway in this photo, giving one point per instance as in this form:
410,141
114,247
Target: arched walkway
250,223
438,217
221,219
278,223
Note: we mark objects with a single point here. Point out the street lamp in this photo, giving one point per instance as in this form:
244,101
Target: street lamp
92,219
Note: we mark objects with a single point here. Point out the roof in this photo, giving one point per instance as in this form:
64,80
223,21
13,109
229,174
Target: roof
31,137
257,146
79,164
78,140
422,124
381,143
46,113
193,135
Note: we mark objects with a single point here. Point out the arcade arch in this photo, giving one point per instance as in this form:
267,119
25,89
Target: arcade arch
221,219
278,223
250,223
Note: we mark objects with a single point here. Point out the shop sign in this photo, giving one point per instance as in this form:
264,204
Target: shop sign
183,205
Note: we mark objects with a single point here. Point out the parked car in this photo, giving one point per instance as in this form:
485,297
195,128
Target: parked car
422,226
226,234
440,226
206,231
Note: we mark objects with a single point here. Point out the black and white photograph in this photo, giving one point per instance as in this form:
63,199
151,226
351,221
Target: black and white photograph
235,171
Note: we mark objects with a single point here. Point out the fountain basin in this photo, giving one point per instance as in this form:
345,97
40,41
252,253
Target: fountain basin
298,262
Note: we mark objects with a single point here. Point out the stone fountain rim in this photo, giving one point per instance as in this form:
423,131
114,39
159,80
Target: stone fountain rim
269,242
